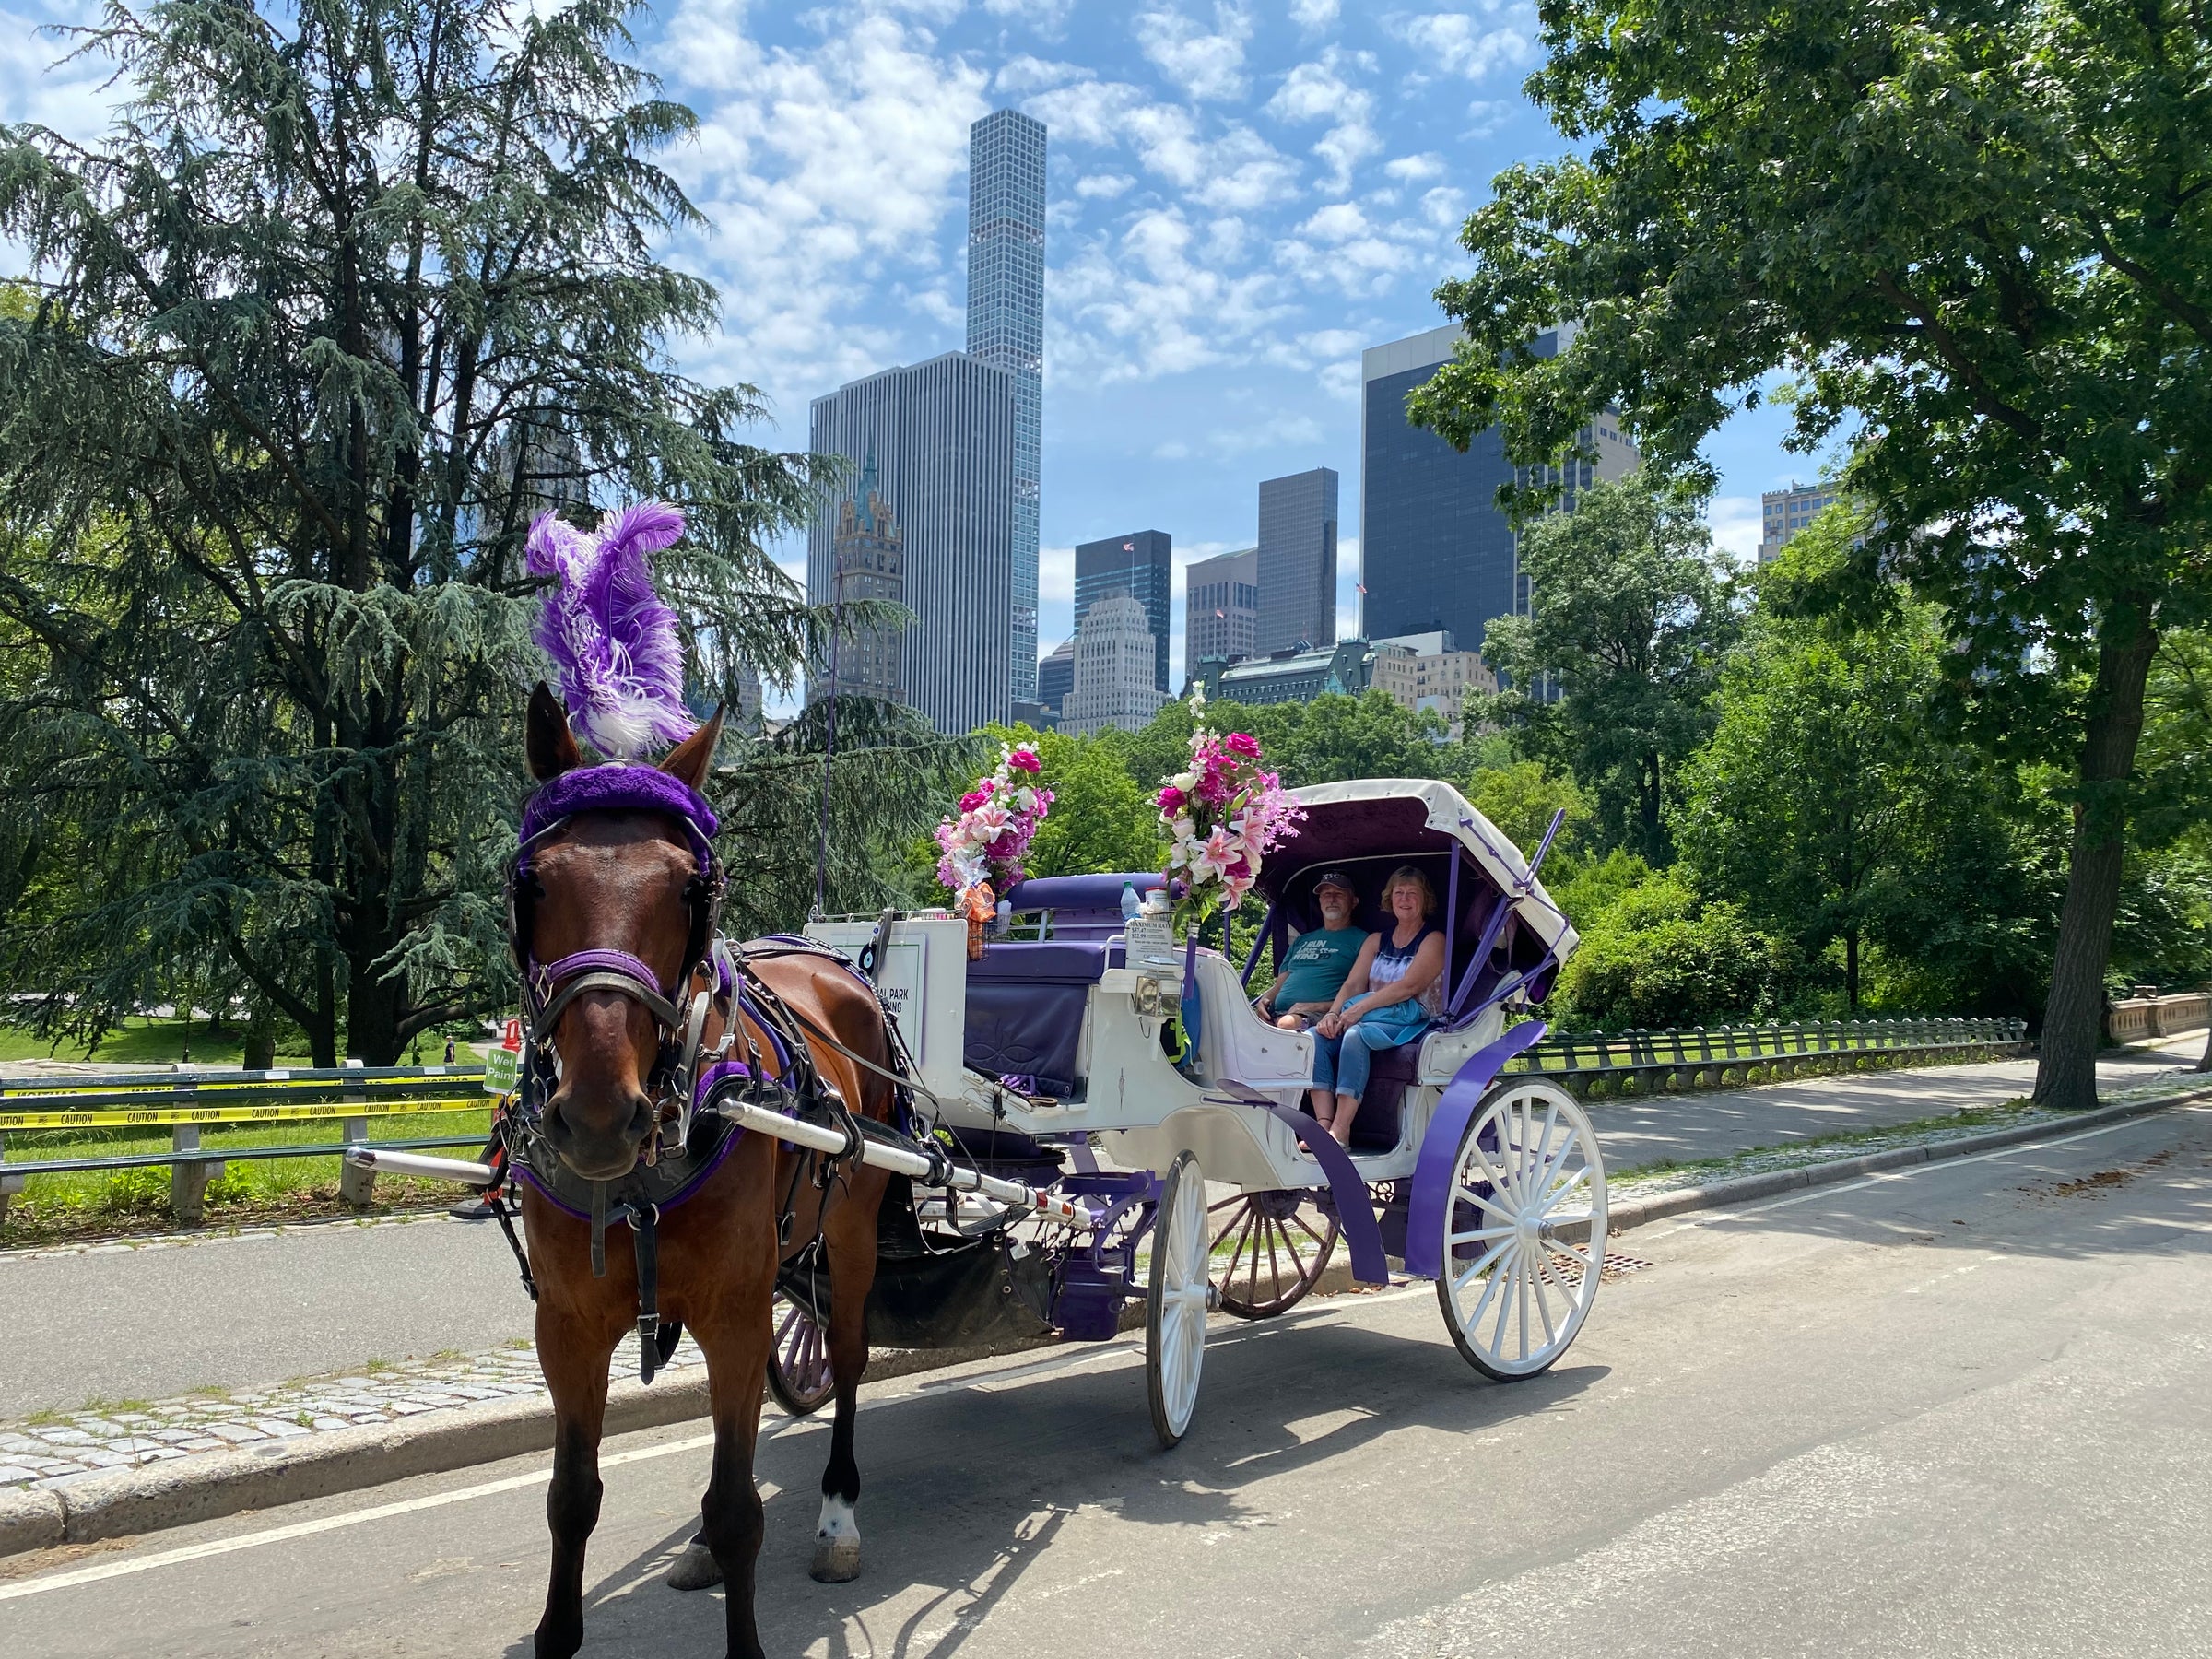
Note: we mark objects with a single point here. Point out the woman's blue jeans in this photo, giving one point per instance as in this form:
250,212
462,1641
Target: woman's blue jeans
1341,1063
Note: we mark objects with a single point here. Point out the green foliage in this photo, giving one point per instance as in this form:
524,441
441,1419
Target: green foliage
1101,819
350,295
1824,802
1982,237
1521,797
1632,616
1660,957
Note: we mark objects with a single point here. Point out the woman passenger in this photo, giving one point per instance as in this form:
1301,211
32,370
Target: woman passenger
1392,993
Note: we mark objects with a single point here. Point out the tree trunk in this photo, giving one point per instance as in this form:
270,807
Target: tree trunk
2073,1019
1850,970
2204,1065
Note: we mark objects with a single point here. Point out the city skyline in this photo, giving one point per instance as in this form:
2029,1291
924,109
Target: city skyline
1241,202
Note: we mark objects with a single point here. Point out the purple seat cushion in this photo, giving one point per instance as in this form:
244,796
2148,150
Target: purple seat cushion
1026,1003
1380,1108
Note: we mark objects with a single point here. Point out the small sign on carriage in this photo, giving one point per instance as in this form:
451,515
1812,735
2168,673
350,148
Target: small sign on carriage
503,1064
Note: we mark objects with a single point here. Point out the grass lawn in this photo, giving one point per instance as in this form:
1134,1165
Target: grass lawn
251,1192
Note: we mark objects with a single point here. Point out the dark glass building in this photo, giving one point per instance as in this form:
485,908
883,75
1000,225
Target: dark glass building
1141,565
1297,562
1435,552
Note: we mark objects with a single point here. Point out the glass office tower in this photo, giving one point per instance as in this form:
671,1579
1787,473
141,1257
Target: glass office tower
1142,565
1005,329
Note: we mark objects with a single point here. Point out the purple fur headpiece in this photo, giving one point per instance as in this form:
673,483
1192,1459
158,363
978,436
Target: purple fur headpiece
614,644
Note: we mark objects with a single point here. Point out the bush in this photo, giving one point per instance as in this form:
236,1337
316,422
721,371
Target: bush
1659,958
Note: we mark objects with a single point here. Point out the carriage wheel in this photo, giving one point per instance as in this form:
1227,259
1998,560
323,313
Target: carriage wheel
1175,1306
1278,1242
798,1360
1525,1235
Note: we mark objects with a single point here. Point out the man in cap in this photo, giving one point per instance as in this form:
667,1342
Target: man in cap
1319,961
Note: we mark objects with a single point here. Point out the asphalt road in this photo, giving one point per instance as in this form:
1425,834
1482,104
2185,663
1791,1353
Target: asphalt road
1959,1409
247,1310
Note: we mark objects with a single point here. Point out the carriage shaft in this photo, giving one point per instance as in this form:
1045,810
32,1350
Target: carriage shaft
821,1137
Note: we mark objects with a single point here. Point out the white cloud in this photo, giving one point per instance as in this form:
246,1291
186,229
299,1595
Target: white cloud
1317,91
1314,16
825,176
1485,115
1103,187
1146,303
1735,522
1024,73
1460,44
1206,66
1412,170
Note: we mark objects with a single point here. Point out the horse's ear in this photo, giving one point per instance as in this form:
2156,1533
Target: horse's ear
547,743
691,759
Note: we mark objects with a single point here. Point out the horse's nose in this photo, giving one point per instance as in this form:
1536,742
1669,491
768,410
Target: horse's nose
594,1149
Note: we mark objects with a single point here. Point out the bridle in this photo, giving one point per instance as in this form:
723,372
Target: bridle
549,987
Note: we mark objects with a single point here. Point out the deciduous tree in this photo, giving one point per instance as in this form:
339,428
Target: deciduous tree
1982,238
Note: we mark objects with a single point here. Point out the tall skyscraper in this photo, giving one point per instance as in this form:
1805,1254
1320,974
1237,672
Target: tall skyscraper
868,555
1298,561
1005,329
1435,552
1220,608
942,436
1057,677
1142,565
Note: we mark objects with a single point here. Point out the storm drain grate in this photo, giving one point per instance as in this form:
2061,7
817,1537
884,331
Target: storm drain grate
1612,1267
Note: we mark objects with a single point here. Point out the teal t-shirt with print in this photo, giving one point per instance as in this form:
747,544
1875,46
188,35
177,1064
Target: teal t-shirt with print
1319,964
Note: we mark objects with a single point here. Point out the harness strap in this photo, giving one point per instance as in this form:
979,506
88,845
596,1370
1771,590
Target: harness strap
645,1230
632,981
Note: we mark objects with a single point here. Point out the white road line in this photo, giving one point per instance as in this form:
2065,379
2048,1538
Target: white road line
302,1529
1122,1353
1736,1213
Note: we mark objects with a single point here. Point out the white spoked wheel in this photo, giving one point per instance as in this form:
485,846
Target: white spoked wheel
1175,1307
1524,1237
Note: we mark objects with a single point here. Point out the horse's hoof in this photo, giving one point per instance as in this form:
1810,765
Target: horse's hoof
836,1561
696,1568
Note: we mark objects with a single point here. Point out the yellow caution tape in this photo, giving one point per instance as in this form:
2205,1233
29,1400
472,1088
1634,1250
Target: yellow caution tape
139,1117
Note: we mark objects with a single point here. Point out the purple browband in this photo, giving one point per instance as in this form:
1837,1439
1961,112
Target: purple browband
547,977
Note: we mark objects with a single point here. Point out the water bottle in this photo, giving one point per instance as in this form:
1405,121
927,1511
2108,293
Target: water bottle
1130,906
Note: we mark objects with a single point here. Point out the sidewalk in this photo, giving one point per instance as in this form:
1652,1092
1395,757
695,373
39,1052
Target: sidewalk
151,1325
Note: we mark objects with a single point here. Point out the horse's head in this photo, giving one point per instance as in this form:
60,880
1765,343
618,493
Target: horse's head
605,897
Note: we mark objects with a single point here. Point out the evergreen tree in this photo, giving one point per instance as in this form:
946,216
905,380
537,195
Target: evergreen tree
350,291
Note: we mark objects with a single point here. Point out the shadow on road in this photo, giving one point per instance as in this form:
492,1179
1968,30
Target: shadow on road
964,1489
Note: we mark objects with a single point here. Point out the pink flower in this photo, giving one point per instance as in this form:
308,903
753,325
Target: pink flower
1171,801
972,799
1243,743
1023,760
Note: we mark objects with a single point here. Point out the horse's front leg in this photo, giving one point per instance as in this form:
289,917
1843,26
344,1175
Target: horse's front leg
574,1355
851,1236
737,1354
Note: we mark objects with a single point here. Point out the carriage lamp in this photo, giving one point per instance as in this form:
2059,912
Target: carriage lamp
1145,997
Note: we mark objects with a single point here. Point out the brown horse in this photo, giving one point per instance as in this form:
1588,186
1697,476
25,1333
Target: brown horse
622,882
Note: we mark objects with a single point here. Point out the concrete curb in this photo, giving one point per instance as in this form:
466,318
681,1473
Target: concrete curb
1746,1189
84,1509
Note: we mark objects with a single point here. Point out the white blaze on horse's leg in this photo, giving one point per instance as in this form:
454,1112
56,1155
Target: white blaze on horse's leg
836,1542
837,1520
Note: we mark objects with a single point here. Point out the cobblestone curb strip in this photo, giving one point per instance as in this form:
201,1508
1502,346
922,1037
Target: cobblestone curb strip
96,1504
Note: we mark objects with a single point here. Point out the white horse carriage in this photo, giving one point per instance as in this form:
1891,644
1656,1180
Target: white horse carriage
1048,1052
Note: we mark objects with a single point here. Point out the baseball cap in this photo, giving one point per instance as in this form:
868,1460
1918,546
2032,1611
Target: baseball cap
1335,879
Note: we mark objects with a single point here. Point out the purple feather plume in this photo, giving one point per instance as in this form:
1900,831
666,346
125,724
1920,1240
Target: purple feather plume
614,644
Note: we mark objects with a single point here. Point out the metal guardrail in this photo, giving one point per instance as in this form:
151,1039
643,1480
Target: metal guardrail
186,1101
1723,1054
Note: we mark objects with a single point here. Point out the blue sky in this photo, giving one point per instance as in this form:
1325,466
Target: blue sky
1241,196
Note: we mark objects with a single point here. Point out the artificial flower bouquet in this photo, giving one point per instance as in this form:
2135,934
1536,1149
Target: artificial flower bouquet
1223,814
985,846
